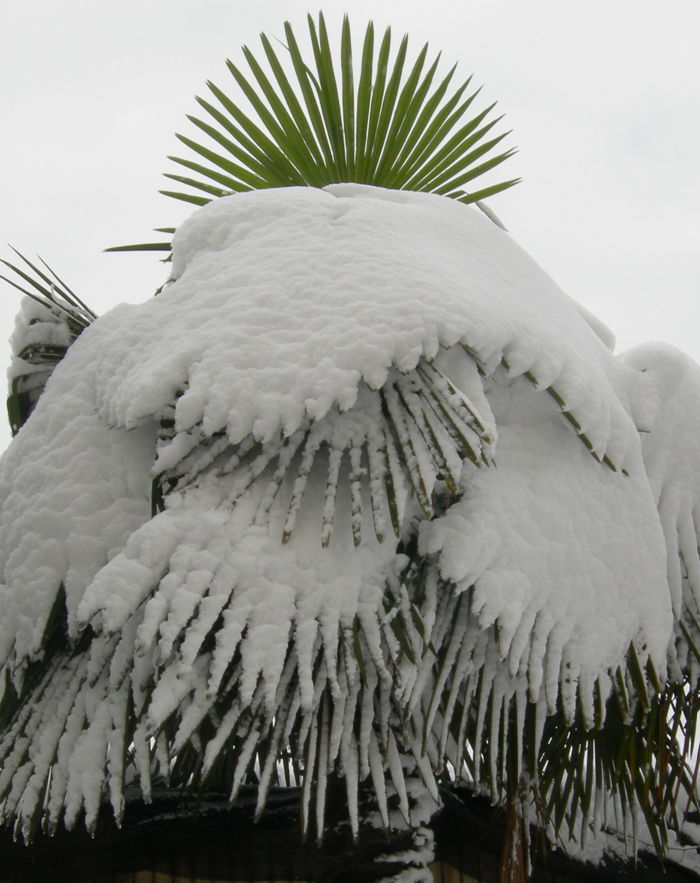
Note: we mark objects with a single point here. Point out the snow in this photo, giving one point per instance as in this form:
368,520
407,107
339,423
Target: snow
341,365
671,461
340,284
554,547
73,490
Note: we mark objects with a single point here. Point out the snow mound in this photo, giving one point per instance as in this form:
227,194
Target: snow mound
284,300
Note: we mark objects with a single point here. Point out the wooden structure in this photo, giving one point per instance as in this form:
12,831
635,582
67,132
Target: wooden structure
181,839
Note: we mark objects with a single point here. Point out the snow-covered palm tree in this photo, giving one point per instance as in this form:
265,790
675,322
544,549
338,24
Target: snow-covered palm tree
360,497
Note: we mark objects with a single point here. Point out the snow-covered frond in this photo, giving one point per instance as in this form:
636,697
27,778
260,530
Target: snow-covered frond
71,492
283,301
672,465
329,500
418,424
50,319
39,342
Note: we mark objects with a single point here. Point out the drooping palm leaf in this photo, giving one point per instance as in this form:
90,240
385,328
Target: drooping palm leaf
40,356
323,120
51,293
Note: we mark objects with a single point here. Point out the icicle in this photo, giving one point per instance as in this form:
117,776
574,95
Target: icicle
539,637
163,588
520,697
12,803
467,710
446,616
210,608
384,711
31,720
72,730
235,619
463,668
496,733
369,629
192,713
330,649
426,773
185,601
221,736
51,716
309,715
173,685
350,775
142,759
290,710
520,641
86,768
307,645
541,712
568,690
309,765
268,768
483,695
376,767
122,655
446,661
397,776
322,769
552,668
250,738
118,704
346,700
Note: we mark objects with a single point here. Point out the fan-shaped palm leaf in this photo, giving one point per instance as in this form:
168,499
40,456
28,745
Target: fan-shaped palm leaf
326,120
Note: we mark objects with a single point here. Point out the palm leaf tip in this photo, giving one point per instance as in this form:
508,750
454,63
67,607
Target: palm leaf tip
37,345
332,116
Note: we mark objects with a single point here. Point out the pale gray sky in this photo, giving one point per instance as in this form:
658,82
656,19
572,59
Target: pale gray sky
603,99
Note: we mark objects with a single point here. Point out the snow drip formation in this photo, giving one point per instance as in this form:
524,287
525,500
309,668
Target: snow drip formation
360,493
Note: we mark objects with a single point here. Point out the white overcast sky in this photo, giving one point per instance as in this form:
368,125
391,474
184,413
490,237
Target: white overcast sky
603,98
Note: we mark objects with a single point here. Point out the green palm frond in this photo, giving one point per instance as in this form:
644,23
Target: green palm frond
417,425
51,292
40,351
329,118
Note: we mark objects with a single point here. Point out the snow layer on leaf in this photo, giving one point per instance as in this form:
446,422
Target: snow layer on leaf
288,306
672,460
71,491
551,531
283,300
35,324
269,593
